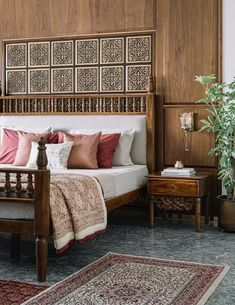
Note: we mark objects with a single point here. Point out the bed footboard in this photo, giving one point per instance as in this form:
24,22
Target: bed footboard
31,187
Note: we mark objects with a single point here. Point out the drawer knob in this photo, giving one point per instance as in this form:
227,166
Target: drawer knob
172,187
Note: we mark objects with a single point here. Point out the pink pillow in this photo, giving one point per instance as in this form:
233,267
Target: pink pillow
84,150
9,146
106,149
61,136
24,146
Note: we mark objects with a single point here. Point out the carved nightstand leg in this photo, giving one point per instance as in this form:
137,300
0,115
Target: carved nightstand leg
197,214
151,212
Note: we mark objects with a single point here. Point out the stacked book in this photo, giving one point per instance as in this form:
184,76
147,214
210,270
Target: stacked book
172,171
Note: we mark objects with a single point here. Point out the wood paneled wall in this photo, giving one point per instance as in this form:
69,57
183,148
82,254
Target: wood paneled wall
46,18
187,40
188,32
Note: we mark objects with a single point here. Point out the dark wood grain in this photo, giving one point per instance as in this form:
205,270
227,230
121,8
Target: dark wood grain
174,136
49,18
190,47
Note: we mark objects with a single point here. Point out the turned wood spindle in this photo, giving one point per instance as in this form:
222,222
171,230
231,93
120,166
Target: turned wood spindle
42,156
30,189
7,184
18,185
150,84
142,108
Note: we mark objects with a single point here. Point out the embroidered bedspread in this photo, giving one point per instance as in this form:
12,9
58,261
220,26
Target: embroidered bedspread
77,208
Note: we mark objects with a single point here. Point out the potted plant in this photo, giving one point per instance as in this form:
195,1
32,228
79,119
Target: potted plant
220,105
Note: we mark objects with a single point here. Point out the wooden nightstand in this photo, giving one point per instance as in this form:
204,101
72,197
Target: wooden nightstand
179,193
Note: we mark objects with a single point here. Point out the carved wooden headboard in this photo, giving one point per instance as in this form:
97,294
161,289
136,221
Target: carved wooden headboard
105,104
98,75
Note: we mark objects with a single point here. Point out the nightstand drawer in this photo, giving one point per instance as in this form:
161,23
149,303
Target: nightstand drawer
173,187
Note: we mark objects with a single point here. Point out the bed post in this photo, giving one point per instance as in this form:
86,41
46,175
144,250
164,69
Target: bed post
151,114
42,217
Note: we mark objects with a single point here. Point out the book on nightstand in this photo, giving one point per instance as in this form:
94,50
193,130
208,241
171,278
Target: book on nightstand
172,171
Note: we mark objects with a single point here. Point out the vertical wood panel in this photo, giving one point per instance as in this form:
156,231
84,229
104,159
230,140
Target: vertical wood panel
191,48
187,45
199,142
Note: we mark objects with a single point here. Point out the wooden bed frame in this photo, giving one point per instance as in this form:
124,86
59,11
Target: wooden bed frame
37,191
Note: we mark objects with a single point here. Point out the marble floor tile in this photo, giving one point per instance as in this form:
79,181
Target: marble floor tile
168,240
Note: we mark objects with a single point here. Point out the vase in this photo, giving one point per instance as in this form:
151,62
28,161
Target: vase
179,164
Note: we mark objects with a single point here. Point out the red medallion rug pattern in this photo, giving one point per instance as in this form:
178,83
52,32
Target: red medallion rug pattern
15,293
118,279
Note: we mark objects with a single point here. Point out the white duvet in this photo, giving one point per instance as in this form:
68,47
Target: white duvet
114,181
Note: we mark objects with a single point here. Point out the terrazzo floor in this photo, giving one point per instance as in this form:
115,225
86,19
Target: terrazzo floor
169,240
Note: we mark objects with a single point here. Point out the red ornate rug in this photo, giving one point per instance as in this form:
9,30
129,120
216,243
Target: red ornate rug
118,279
15,293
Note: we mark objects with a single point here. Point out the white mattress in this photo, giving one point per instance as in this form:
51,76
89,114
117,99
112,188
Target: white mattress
114,181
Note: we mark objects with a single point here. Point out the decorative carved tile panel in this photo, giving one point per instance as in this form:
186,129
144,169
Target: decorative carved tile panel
62,53
112,50
79,65
87,52
87,79
137,77
138,49
112,79
16,55
39,81
39,54
16,82
62,80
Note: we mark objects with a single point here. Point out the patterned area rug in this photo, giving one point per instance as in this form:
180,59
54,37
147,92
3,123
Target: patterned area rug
118,279
15,293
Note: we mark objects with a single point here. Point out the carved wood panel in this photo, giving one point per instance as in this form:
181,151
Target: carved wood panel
121,63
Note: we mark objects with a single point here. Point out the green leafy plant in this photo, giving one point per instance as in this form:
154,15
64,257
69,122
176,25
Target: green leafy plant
220,101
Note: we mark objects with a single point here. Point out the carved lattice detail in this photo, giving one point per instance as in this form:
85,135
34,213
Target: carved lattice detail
73,104
174,203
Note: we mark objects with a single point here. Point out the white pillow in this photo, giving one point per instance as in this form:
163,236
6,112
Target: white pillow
122,153
57,155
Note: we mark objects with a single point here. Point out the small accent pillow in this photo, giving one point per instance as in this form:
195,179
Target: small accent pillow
57,155
24,146
84,150
106,149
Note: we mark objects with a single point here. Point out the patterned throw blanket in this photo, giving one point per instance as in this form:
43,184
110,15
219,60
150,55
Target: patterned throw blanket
77,208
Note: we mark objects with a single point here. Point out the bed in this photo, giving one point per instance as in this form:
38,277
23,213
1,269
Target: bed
27,211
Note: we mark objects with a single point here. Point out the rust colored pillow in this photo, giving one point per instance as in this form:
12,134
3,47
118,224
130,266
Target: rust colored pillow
24,146
84,150
106,149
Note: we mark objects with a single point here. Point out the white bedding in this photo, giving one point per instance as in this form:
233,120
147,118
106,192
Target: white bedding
114,181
